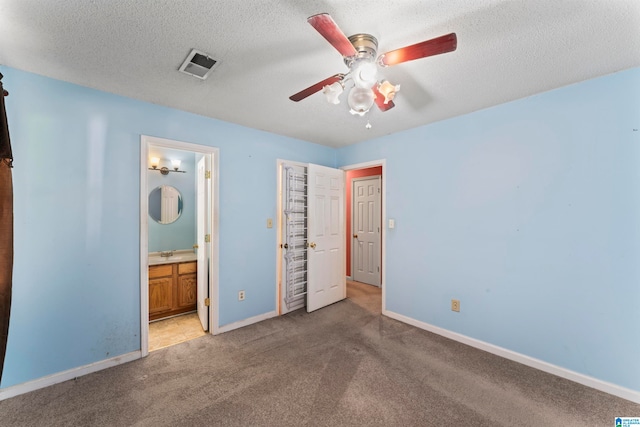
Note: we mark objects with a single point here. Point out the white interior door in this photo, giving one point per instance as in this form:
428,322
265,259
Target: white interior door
366,230
203,247
169,204
326,254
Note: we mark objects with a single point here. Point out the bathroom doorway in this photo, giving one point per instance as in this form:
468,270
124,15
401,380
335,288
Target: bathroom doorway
178,242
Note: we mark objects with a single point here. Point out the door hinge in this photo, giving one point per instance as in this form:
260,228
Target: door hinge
207,302
378,269
207,238
378,191
207,174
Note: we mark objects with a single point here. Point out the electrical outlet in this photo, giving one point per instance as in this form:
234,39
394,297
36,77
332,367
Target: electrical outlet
455,305
241,296
269,223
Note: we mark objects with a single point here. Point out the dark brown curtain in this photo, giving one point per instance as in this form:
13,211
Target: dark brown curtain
6,227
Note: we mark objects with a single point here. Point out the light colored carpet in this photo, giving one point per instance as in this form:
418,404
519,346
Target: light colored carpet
344,365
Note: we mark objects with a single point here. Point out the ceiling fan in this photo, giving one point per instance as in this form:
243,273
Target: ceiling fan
359,52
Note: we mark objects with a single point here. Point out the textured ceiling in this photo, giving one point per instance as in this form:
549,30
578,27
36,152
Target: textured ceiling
506,50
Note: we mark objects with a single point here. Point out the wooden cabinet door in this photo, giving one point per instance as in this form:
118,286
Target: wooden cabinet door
160,295
187,291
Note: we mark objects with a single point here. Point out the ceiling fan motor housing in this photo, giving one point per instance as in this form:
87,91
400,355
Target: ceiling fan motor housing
366,45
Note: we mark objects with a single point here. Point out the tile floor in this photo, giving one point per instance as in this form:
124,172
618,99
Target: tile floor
164,333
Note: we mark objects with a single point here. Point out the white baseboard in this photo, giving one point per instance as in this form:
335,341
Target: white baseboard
15,390
246,322
577,377
349,278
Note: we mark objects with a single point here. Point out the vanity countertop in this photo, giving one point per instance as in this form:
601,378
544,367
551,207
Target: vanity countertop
178,256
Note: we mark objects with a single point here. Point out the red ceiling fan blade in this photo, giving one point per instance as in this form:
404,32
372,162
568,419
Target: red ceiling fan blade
316,87
379,100
325,25
442,44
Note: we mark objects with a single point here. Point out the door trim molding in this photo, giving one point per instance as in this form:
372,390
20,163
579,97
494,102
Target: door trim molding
383,220
147,141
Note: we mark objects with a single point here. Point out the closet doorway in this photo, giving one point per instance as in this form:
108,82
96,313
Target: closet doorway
311,231
294,245
178,241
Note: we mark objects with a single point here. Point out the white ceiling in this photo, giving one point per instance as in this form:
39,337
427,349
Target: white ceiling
507,50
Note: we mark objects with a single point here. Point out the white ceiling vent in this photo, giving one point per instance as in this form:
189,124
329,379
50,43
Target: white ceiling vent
198,64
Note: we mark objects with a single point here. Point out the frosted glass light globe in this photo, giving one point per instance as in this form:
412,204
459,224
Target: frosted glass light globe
360,100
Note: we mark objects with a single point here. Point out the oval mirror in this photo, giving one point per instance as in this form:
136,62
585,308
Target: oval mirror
165,204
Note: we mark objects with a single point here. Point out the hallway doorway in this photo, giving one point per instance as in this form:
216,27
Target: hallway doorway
365,240
366,228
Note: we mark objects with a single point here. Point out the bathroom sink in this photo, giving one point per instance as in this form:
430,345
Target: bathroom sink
176,258
156,259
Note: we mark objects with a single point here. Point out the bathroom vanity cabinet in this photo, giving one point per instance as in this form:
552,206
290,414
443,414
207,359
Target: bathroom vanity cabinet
172,289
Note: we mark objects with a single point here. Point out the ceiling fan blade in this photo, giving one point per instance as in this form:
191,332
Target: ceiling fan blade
379,100
324,24
442,44
316,87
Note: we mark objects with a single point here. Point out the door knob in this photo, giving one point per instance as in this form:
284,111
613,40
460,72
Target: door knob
355,236
286,246
312,245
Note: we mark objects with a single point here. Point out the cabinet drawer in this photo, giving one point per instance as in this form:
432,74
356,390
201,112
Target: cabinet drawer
160,270
187,267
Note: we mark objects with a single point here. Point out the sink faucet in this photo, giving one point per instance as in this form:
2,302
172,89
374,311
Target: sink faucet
166,254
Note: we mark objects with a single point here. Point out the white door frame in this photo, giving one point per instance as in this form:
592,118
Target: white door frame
383,231
145,143
379,199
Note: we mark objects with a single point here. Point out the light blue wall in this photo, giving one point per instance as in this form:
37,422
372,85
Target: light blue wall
529,213
526,212
180,234
77,184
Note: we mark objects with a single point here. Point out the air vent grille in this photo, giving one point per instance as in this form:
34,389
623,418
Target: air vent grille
198,64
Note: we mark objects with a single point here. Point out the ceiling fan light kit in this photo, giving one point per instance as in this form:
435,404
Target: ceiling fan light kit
388,90
359,53
360,100
333,92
